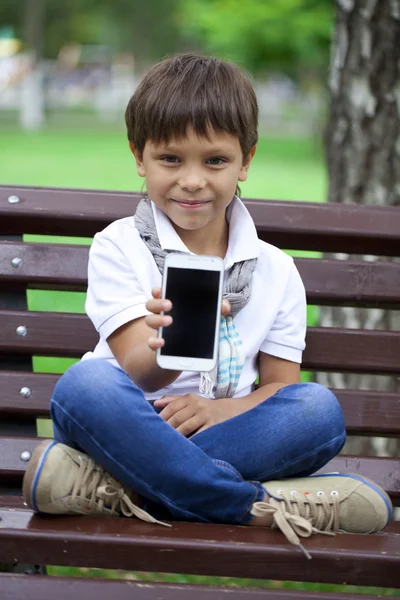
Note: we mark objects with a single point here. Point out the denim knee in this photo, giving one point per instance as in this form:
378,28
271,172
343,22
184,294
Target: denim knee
90,385
315,433
320,405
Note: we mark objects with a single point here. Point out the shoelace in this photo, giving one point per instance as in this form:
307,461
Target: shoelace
94,488
298,515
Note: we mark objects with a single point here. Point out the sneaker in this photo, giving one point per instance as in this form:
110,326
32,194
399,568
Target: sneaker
63,481
325,504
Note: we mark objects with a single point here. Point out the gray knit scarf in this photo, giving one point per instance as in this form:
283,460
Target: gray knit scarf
237,290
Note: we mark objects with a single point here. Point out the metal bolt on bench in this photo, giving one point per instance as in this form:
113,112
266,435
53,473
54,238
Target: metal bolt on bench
21,330
25,392
17,262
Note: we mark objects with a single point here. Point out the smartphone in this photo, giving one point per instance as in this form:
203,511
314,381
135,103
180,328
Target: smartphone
194,285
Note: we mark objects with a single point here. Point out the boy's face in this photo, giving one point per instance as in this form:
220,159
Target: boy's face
193,179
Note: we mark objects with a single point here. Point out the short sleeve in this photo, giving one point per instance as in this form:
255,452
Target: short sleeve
114,295
286,338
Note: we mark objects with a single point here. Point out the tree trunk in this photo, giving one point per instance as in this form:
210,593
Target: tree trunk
32,96
363,154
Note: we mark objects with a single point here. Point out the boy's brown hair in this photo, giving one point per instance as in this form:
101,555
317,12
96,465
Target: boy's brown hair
196,90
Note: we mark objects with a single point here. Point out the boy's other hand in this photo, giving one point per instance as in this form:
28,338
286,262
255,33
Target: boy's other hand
158,305
191,413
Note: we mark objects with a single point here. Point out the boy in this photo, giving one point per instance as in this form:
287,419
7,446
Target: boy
159,446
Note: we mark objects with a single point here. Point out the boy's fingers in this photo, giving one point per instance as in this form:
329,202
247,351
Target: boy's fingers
156,292
156,321
164,401
226,307
155,343
157,305
190,426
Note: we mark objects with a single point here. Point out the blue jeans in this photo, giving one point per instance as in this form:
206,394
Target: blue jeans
215,475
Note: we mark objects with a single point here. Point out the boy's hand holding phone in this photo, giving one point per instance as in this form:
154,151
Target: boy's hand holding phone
194,285
191,413
156,306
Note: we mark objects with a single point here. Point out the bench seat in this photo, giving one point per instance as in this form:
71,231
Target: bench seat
195,548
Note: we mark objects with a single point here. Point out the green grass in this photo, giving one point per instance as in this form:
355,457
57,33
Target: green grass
89,156
99,158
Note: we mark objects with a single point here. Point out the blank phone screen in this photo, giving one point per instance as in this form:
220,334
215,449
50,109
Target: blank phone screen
194,297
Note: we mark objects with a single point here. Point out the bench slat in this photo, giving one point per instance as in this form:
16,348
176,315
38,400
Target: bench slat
70,335
385,471
21,587
198,548
365,412
370,412
45,266
302,226
327,282
352,350
40,388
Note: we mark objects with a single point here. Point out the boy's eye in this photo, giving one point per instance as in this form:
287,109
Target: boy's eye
216,161
169,158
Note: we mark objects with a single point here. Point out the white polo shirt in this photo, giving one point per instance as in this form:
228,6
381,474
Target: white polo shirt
122,273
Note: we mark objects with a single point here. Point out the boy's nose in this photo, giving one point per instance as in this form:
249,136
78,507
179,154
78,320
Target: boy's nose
192,182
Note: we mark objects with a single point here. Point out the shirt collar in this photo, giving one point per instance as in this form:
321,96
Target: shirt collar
243,239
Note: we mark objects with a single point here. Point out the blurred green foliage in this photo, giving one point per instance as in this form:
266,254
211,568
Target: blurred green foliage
287,35
280,34
148,29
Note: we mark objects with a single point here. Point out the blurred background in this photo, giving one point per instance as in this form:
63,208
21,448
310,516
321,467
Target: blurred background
68,69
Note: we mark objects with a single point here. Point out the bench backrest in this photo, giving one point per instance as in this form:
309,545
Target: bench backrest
368,231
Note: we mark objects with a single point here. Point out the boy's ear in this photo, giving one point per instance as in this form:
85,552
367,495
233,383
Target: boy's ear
246,164
139,159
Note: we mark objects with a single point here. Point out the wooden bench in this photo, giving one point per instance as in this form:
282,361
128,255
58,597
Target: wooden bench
190,548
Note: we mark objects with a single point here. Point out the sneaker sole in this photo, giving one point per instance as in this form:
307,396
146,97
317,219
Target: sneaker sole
33,471
370,484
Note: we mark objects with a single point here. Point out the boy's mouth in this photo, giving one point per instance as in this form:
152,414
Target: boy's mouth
190,203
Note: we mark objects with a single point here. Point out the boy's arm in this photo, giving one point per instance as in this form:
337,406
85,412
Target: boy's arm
275,373
129,344
116,303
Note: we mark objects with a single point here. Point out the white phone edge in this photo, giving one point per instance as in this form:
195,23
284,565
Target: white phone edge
195,261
